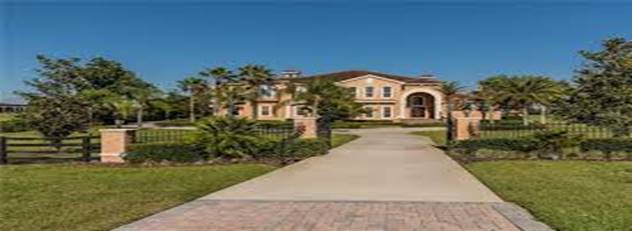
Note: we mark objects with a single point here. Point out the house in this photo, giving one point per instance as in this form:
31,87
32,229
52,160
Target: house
389,97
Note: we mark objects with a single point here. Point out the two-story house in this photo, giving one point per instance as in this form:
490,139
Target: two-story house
389,97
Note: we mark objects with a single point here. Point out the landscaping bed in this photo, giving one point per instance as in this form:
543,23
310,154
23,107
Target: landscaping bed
567,195
98,197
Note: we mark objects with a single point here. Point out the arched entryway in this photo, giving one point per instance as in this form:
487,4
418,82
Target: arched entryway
421,104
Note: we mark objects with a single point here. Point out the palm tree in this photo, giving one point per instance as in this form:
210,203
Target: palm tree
194,86
229,97
523,91
255,77
122,107
450,89
219,76
488,91
142,97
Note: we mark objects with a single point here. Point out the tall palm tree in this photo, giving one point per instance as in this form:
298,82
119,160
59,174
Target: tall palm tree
255,77
450,89
220,76
194,86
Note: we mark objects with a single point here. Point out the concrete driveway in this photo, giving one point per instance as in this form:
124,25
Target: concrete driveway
385,164
386,180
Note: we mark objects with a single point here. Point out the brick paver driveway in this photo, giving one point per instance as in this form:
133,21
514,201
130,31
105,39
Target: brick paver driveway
386,180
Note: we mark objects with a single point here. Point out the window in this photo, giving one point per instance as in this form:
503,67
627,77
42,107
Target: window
368,92
386,112
369,112
266,91
387,92
265,110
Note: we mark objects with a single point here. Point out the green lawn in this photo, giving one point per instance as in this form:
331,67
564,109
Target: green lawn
89,197
6,116
340,139
439,137
567,195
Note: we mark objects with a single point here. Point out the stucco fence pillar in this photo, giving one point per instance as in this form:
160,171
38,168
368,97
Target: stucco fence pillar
309,126
466,124
115,142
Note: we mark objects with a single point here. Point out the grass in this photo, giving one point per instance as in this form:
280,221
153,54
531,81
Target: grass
567,195
438,137
340,139
6,116
89,197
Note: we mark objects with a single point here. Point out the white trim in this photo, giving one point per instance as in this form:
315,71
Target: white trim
371,76
438,101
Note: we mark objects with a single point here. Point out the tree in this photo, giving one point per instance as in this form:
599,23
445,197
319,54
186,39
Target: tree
55,108
142,97
122,107
194,86
257,79
220,76
601,93
326,99
450,89
520,92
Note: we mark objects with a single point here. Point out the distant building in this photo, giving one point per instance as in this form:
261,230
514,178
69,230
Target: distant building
387,96
11,107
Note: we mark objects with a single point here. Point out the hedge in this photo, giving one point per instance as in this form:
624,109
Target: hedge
607,146
176,152
505,144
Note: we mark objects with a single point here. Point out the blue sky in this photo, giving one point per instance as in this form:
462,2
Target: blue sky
165,41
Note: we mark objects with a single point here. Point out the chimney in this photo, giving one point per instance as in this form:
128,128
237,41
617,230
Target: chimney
290,74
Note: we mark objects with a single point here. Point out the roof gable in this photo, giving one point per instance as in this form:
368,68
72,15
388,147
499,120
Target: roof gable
346,75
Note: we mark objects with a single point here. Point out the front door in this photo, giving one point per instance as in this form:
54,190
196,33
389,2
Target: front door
418,112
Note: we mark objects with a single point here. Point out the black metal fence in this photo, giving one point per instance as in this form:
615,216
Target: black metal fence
143,136
516,130
29,149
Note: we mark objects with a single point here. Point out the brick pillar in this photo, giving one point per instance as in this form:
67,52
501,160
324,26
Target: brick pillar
309,123
115,142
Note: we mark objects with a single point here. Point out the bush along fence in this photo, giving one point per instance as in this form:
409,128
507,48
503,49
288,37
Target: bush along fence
220,138
29,149
478,140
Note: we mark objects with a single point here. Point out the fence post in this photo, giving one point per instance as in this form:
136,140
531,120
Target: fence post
115,142
309,123
3,150
85,144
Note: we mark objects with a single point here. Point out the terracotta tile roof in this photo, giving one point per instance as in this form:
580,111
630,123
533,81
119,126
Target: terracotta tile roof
344,75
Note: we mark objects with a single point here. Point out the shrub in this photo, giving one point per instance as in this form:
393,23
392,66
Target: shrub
303,148
607,146
506,144
229,137
553,142
14,125
176,152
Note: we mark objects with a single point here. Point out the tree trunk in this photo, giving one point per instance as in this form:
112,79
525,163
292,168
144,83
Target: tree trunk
543,114
525,115
192,109
139,117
